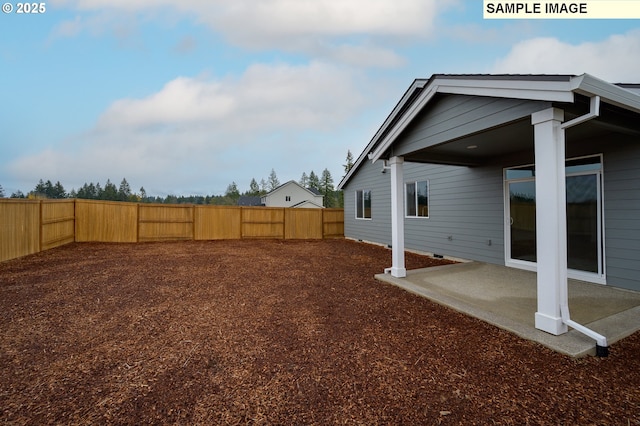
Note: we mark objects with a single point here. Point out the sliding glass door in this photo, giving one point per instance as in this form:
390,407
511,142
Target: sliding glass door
584,218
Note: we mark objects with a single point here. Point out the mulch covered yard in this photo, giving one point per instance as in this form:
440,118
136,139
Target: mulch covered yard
273,332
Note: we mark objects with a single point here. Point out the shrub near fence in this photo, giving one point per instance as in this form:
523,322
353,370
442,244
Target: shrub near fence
30,226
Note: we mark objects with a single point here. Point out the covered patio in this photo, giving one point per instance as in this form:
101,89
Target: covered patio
506,297
545,119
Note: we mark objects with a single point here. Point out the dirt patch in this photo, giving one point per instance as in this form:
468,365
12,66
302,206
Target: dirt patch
273,332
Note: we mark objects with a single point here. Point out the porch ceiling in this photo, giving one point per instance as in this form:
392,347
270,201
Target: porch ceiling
517,137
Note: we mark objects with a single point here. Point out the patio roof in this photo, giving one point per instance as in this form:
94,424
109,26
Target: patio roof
620,106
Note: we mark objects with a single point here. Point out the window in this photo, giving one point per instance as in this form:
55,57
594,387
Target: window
363,204
287,198
584,209
417,199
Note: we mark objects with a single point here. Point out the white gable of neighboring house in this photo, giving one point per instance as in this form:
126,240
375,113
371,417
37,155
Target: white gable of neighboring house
292,194
307,205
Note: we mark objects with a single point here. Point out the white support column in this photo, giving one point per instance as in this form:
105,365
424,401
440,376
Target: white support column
551,219
397,217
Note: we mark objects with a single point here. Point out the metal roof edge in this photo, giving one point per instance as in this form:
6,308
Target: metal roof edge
614,94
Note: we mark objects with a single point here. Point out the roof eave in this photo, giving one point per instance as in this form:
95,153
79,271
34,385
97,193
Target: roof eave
559,88
554,91
589,85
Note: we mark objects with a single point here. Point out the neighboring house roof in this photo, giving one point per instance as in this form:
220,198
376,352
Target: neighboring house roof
249,200
307,203
313,191
550,88
316,191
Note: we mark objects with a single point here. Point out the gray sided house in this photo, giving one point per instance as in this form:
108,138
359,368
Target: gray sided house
539,172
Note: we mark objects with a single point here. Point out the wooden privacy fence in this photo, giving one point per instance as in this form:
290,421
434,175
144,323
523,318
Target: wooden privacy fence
30,226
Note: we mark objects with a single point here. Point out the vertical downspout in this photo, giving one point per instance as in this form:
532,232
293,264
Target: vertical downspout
602,348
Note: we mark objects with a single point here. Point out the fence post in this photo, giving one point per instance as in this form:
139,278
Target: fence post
40,226
137,223
193,222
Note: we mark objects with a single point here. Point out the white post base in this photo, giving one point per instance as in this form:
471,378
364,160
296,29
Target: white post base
397,272
549,324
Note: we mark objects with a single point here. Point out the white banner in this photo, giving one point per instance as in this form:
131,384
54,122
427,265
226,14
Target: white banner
586,9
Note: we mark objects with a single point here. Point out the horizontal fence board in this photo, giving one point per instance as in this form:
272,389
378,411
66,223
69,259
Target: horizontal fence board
57,223
161,222
262,222
159,231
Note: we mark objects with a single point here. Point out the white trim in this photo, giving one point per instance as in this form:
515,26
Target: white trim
398,268
355,193
415,184
551,219
575,274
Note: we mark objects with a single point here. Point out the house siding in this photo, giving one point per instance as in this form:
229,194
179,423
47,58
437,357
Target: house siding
466,213
378,228
622,214
464,203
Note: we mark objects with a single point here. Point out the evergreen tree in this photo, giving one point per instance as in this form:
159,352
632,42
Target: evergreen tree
110,192
263,186
254,189
349,164
171,199
304,180
232,191
48,189
40,189
314,181
273,180
124,191
57,191
1,192
327,189
143,194
18,194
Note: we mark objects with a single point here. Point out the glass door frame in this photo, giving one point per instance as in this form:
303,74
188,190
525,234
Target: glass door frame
600,276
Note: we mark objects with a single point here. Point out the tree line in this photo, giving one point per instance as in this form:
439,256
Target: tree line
123,192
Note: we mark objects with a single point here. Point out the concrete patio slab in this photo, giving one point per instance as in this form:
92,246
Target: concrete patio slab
506,298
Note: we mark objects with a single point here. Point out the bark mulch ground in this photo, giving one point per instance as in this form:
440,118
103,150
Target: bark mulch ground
273,332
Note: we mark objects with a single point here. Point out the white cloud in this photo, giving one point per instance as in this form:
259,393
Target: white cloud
265,97
218,129
353,31
614,59
283,18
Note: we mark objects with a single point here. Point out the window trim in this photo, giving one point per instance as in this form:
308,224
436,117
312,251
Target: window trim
362,207
599,277
415,189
